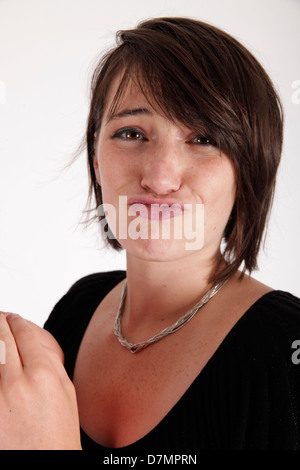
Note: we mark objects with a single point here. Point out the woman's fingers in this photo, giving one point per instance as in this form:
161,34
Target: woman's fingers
2,352
12,364
32,345
29,347
31,350
38,407
47,340
38,350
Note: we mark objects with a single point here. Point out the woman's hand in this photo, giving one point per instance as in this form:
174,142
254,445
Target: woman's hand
38,408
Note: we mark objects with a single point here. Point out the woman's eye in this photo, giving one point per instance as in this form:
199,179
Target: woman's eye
202,140
129,134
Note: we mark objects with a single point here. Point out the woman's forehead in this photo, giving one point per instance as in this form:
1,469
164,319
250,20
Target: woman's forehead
131,96
130,90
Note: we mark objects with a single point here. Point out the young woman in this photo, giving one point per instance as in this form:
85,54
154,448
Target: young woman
184,351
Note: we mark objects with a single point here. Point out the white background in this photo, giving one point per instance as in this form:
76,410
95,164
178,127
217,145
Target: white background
47,52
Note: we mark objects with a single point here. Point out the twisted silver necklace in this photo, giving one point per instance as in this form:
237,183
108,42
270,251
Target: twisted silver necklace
137,347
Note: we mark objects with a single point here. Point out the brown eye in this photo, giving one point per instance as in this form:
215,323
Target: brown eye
201,140
135,135
129,134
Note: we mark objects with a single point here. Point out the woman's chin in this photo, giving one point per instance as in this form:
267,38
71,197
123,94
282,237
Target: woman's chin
156,249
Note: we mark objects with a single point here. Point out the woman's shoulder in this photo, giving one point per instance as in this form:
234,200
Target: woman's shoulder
277,308
260,360
96,281
266,306
264,314
83,296
270,328
71,315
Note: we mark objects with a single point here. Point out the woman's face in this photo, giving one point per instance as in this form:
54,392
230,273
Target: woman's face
167,190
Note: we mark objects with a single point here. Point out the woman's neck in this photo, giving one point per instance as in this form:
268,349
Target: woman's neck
158,293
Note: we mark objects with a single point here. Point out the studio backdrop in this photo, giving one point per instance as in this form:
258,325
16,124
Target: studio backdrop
48,49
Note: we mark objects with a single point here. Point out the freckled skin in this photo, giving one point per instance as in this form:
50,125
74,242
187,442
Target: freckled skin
146,154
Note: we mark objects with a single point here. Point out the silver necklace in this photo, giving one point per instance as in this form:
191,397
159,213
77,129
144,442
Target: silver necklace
136,347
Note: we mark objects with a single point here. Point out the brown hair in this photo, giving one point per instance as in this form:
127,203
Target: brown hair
200,76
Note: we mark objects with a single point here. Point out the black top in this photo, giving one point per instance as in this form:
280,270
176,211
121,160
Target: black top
246,397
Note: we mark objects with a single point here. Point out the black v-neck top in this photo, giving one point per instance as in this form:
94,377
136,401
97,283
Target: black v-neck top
246,397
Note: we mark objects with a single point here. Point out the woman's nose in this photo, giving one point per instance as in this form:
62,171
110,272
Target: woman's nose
162,173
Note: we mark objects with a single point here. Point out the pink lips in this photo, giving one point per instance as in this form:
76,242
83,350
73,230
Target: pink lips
155,209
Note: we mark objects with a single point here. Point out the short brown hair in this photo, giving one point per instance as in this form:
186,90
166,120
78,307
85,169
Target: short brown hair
199,75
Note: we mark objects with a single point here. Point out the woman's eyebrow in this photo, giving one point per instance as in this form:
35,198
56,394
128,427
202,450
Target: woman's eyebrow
128,112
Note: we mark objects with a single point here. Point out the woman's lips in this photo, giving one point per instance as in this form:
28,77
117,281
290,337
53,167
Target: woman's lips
154,209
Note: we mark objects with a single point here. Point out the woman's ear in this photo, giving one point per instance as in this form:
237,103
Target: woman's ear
97,171
95,161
